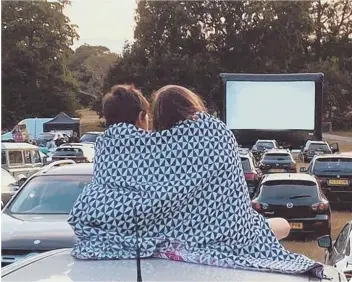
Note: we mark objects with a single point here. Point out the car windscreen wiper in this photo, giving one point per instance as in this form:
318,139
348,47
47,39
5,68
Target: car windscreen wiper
300,196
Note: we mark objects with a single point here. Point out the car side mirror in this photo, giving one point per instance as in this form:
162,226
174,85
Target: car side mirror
325,242
335,148
303,169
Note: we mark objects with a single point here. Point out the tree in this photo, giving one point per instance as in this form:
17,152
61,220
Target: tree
36,40
90,65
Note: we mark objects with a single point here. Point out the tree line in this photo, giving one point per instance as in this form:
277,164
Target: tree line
179,42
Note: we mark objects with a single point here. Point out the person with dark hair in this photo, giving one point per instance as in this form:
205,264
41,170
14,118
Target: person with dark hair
74,138
177,193
126,104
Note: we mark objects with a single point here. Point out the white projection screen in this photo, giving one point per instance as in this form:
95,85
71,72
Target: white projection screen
270,105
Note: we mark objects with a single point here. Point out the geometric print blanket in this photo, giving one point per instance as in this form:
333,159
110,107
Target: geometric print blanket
179,194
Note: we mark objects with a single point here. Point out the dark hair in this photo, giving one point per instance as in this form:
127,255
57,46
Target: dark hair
173,103
123,104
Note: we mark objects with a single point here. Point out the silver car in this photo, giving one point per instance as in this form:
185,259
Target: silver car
59,265
35,219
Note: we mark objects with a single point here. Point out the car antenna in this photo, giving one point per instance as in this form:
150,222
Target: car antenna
138,254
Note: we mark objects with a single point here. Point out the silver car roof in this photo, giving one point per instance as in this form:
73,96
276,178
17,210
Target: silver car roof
59,265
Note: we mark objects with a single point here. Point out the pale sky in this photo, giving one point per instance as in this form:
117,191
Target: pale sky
103,22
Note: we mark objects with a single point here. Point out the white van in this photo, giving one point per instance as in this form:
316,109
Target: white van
21,159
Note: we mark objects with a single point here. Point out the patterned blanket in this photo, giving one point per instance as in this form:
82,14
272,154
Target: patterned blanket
183,192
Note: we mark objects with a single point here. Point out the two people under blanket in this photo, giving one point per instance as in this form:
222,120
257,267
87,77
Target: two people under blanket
178,192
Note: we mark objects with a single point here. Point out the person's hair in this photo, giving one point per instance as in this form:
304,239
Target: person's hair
123,104
173,103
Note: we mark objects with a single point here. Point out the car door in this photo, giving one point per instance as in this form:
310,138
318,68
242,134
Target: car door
341,248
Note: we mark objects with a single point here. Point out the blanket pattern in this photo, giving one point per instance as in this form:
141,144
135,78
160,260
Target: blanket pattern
183,192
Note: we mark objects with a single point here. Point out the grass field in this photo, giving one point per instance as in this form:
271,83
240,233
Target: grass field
90,122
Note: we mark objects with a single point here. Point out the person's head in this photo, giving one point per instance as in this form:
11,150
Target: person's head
173,103
126,104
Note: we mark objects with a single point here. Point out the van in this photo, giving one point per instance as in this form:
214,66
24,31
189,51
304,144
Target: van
21,159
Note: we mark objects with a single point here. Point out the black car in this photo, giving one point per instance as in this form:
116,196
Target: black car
35,219
252,174
261,146
313,148
334,173
297,198
277,160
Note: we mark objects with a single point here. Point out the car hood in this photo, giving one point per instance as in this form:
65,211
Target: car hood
35,232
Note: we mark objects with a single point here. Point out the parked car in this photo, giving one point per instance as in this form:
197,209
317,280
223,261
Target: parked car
313,148
252,174
59,265
21,159
35,219
90,137
79,153
334,173
277,160
339,253
297,198
261,146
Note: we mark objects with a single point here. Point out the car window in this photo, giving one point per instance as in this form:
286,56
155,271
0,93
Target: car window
27,157
286,189
246,165
3,157
266,145
36,157
342,239
277,157
89,137
49,194
343,165
15,157
67,151
321,147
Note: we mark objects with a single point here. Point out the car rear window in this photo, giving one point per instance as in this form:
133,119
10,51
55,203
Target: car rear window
321,147
51,194
266,145
70,152
246,165
277,157
89,137
286,189
327,165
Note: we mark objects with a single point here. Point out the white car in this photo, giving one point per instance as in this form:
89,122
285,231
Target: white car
59,265
339,252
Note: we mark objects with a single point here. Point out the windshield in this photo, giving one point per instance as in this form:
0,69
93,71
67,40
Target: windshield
277,157
319,147
49,194
89,137
343,165
246,165
266,145
288,189
43,139
67,151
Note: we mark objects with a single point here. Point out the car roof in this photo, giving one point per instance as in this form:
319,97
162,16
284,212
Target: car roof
289,176
70,169
67,268
317,142
266,140
17,146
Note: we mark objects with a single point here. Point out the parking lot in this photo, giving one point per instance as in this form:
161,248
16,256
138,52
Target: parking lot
90,122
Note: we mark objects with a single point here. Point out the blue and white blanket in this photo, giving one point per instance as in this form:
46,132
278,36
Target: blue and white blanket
183,190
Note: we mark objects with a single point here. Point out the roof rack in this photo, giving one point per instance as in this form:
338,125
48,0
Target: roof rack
57,164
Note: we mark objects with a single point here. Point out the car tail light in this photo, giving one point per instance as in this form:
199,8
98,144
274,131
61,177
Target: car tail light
250,176
321,206
322,181
256,205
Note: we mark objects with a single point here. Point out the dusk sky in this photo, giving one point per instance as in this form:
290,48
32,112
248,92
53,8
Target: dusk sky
103,22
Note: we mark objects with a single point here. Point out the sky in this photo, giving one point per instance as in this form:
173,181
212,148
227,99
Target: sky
103,22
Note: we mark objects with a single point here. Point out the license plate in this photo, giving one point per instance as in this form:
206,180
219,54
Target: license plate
296,225
338,182
277,170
